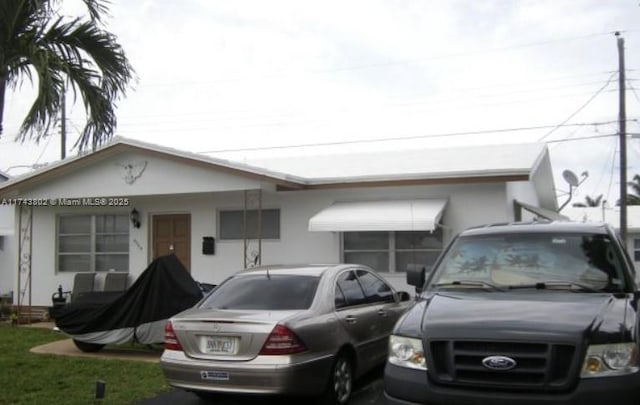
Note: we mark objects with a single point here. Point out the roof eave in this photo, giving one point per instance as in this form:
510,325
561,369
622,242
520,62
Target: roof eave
119,145
413,180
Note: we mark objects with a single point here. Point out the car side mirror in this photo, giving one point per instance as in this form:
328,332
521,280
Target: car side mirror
403,296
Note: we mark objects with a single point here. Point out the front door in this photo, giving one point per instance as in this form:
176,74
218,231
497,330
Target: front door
172,234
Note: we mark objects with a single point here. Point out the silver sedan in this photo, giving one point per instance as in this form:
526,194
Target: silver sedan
294,330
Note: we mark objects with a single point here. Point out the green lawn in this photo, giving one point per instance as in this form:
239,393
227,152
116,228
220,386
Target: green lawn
27,378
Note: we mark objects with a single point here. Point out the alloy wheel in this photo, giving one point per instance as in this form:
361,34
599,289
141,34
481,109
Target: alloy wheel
342,380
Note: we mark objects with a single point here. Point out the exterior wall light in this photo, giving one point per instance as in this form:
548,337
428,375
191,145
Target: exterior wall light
135,218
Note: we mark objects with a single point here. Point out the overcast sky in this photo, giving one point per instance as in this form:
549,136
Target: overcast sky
215,76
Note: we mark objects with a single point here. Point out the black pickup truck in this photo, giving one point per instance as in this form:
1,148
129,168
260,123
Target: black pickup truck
521,314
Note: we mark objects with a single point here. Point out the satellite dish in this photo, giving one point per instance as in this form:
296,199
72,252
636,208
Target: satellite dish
571,178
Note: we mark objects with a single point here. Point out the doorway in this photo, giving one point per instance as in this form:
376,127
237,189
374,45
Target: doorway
172,234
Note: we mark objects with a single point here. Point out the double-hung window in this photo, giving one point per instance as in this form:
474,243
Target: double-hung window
636,250
88,243
393,252
252,224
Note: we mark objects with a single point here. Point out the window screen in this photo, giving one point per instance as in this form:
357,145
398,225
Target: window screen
232,224
93,243
393,252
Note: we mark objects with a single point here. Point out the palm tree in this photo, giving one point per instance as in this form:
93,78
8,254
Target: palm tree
590,202
634,198
62,52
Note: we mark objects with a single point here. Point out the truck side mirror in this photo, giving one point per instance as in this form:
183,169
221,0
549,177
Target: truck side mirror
634,301
417,276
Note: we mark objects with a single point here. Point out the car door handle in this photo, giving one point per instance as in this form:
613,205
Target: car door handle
382,312
350,319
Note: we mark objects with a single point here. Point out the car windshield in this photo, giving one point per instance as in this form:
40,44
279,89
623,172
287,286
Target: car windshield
580,262
276,292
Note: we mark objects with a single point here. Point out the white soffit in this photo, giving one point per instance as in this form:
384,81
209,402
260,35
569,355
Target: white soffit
398,215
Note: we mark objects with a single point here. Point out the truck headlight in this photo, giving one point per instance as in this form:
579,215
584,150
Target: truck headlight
406,352
610,360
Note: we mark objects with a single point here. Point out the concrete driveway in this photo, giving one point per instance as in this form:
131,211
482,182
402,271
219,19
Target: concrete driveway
368,391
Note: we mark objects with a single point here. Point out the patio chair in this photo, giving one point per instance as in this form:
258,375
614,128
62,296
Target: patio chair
82,283
115,281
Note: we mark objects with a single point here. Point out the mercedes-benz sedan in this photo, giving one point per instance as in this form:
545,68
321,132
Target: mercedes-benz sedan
292,330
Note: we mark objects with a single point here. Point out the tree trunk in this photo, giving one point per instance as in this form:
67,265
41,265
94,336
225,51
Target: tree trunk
3,87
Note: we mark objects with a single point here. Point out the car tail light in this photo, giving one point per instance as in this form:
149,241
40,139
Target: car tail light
282,340
171,341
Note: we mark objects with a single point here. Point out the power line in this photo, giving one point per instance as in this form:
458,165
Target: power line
603,171
143,119
278,121
613,171
314,120
43,149
406,62
394,104
580,108
448,134
633,89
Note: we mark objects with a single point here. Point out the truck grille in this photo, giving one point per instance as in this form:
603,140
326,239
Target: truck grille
539,366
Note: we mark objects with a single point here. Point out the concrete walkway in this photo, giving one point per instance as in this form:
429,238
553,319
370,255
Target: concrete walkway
66,347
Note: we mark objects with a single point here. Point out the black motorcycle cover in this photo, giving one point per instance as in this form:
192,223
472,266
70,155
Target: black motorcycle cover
161,291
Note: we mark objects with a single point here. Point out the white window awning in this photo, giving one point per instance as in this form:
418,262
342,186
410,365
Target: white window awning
398,215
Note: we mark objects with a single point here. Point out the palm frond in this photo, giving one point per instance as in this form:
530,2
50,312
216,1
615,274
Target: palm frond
97,9
101,50
635,184
44,110
56,50
633,199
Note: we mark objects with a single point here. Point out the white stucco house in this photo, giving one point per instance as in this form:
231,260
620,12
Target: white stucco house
7,240
117,208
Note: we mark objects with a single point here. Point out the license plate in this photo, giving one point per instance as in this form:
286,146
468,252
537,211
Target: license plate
220,344
215,375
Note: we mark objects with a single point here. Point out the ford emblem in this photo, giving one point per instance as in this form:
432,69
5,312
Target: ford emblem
500,363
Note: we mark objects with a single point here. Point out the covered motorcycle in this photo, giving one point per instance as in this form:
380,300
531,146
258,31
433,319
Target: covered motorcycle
135,315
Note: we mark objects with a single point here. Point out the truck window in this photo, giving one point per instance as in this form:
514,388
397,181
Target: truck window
514,259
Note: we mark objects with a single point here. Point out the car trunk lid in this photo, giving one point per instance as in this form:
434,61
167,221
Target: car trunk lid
233,335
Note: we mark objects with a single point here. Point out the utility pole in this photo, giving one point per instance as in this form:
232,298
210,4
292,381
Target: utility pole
63,124
622,124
